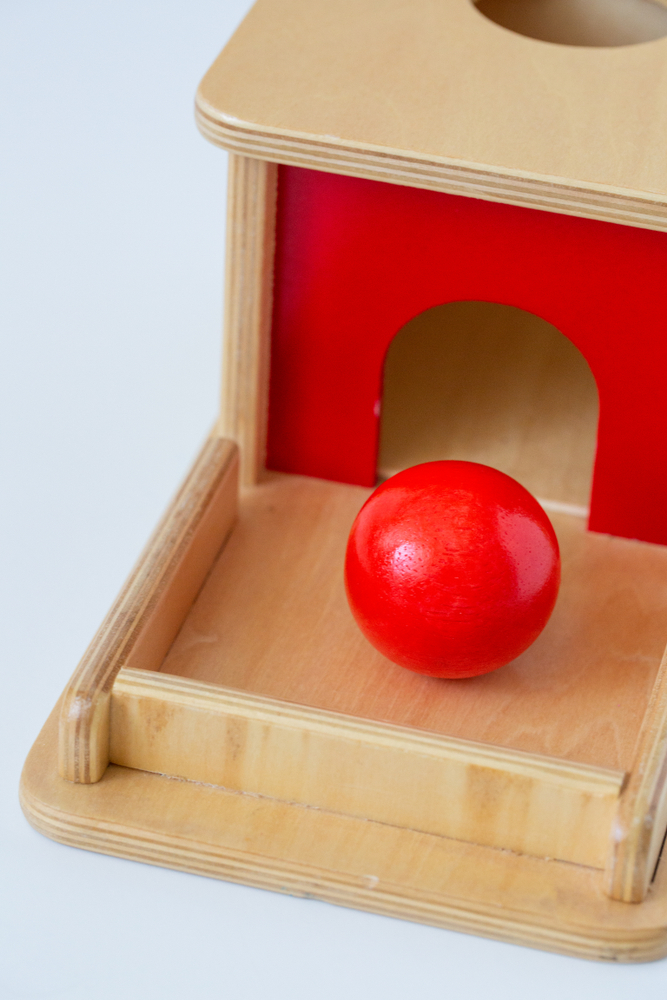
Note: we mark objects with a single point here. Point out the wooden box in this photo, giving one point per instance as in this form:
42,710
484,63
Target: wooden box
229,719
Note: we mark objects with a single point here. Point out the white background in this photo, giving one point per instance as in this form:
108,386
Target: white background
111,245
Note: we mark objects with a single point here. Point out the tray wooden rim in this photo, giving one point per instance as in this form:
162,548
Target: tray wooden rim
156,599
159,820
346,763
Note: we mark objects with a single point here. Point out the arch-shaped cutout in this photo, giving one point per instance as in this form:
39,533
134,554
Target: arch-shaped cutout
592,23
357,259
494,384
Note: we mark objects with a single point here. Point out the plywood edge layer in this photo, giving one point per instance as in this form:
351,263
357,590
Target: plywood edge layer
629,208
150,609
640,825
287,848
450,787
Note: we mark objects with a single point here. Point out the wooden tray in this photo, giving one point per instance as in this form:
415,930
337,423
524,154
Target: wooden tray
506,805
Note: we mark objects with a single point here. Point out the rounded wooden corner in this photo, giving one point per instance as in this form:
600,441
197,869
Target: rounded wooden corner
151,607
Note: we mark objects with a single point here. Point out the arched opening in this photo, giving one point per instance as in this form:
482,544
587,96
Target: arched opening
494,384
357,259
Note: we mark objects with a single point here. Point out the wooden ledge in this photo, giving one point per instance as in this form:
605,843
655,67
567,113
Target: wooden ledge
393,774
366,865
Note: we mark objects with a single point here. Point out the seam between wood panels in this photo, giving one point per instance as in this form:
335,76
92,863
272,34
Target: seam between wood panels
199,695
294,803
547,194
334,886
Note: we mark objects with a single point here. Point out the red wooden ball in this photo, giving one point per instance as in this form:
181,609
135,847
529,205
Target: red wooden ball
452,569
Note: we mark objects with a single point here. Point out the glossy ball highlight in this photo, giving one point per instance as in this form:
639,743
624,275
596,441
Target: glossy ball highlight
452,569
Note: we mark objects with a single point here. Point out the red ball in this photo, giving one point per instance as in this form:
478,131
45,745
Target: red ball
452,569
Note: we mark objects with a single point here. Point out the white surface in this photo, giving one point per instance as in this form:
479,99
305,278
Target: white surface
111,245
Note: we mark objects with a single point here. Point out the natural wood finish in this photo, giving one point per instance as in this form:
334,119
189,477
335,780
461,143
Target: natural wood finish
149,611
639,827
493,384
271,616
571,695
421,781
282,567
251,209
359,863
433,94
273,620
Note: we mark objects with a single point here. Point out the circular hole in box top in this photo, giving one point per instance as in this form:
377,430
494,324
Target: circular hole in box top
592,23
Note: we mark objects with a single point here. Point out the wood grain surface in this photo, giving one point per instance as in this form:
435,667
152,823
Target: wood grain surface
272,619
422,781
150,608
251,210
340,859
434,94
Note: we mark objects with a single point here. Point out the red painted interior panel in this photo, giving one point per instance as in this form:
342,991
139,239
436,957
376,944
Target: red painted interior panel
357,259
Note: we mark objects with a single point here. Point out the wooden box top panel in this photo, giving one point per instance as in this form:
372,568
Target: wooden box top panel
432,93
